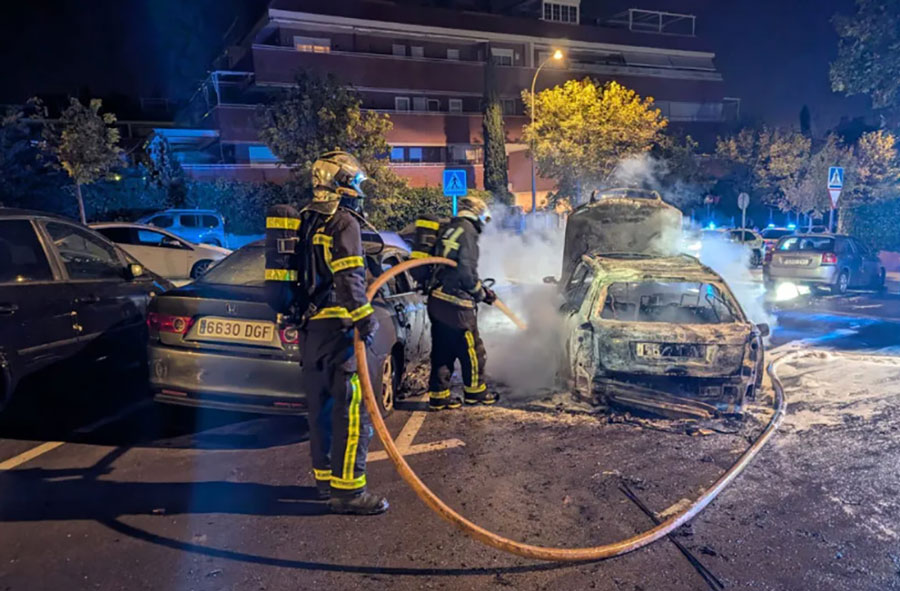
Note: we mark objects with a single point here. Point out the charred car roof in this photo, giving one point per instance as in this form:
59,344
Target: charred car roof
635,267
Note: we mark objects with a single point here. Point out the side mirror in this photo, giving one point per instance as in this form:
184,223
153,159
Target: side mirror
550,280
170,243
133,271
763,329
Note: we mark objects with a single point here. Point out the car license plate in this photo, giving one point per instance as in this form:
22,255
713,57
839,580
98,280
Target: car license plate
795,262
665,350
227,329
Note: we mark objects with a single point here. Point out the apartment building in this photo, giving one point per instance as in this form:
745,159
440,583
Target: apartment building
424,66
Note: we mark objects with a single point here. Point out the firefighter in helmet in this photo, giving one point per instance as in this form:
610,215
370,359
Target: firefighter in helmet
452,308
335,279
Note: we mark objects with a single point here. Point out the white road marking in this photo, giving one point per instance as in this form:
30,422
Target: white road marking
29,455
113,418
404,440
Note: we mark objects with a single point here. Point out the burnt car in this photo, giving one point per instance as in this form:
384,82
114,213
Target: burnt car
216,343
661,334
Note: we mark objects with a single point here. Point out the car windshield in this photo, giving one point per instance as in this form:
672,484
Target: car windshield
677,302
775,233
242,267
814,243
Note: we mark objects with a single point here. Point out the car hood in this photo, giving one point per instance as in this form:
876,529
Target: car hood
697,350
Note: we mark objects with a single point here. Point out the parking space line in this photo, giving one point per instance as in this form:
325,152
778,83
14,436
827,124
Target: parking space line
404,440
113,418
29,455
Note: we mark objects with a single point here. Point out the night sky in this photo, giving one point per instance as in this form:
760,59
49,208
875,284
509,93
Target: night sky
774,54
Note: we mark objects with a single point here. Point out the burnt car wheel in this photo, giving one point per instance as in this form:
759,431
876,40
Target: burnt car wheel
388,386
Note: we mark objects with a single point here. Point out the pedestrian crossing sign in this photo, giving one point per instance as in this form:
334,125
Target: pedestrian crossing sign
455,183
835,177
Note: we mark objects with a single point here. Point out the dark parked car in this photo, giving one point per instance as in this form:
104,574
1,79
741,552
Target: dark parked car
825,261
67,293
216,343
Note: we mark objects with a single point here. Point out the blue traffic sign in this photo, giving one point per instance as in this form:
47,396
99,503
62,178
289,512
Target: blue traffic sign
455,183
835,177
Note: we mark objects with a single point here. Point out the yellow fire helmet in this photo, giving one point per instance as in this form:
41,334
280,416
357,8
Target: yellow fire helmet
476,207
336,175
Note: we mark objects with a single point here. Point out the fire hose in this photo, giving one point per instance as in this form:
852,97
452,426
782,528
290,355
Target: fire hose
498,542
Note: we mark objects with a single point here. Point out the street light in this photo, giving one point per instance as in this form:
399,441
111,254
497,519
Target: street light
557,55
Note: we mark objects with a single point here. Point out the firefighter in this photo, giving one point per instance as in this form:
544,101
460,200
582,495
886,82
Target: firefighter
334,276
452,309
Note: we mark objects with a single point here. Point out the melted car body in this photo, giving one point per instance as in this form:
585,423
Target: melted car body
662,334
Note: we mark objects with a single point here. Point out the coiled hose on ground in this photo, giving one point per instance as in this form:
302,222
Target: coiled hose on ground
527,550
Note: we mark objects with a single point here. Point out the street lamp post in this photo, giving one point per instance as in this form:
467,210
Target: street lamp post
557,55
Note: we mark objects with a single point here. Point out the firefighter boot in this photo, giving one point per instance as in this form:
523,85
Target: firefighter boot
323,490
365,503
443,400
483,397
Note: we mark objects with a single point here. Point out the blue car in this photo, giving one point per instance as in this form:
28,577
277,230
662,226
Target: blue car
200,226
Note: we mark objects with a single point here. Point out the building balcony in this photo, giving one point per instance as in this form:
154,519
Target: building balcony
278,66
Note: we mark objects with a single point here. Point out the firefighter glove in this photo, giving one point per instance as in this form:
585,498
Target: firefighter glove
367,328
489,296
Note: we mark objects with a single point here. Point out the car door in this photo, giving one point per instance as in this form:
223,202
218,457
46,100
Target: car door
109,308
36,311
869,264
850,258
163,253
189,227
410,308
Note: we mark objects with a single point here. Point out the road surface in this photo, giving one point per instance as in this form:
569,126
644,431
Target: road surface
102,490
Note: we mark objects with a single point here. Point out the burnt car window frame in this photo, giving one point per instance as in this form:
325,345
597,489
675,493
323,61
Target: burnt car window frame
730,302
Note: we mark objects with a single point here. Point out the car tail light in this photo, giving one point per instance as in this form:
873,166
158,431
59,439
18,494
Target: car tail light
169,323
829,258
290,335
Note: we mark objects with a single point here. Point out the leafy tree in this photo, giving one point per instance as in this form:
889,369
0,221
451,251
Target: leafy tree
805,121
877,168
165,171
496,175
85,145
867,52
19,161
806,191
765,161
321,114
583,129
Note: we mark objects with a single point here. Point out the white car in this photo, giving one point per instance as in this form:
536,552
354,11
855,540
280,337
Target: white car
162,252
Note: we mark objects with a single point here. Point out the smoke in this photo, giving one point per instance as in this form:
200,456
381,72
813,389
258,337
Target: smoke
526,361
646,172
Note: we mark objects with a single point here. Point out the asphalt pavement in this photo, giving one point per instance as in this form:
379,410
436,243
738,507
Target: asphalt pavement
101,489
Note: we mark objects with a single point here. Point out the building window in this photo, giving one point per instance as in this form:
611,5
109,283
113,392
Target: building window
419,103
465,154
399,50
415,154
434,105
260,154
401,103
417,51
508,106
455,105
312,44
501,56
452,54
561,13
397,154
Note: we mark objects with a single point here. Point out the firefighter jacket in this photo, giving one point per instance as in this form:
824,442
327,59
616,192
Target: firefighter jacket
459,285
338,271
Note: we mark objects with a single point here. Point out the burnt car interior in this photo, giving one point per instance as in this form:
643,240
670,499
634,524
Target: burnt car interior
677,302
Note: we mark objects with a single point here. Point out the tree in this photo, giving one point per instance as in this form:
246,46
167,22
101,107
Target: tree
805,121
583,129
165,171
85,145
877,168
496,175
765,161
867,52
19,161
320,114
806,191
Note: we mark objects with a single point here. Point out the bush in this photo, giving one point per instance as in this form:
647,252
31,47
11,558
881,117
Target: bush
875,224
243,204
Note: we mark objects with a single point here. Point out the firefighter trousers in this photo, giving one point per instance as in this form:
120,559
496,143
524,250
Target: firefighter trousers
339,425
454,336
